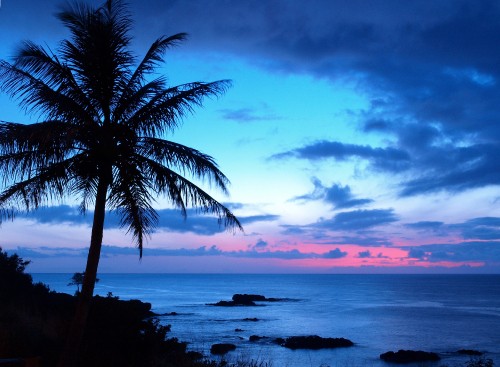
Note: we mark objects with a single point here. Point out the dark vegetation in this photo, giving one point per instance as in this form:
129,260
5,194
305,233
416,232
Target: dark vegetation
34,322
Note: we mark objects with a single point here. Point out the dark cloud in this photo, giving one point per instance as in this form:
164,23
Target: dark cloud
358,220
47,252
324,237
261,244
340,196
484,228
246,115
363,240
487,252
425,225
335,254
434,227
390,159
432,70
257,252
258,218
169,219
364,254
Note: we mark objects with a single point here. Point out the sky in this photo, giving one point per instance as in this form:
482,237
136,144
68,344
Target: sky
358,136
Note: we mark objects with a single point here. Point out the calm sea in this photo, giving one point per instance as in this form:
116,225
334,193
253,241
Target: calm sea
439,313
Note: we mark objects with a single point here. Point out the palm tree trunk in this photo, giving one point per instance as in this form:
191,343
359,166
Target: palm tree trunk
70,354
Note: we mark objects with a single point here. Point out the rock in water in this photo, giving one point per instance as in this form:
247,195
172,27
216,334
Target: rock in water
409,356
255,338
222,348
315,342
470,352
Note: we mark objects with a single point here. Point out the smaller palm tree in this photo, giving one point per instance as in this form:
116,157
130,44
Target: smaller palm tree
77,279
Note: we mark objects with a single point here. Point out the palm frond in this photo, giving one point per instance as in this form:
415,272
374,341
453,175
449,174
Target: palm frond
98,51
166,110
131,197
184,159
183,193
43,188
35,96
134,87
44,65
28,149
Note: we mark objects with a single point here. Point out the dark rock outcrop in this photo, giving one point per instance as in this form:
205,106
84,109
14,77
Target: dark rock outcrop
279,341
222,348
246,300
252,319
470,352
313,342
409,356
173,313
254,338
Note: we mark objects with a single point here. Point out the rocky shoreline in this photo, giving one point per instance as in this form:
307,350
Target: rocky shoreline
315,342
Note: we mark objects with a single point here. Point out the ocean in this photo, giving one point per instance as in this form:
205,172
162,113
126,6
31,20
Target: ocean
379,313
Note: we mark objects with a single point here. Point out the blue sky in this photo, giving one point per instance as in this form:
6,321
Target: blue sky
358,137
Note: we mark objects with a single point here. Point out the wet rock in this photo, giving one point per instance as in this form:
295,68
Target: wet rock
246,300
222,348
470,352
279,341
255,338
409,356
239,330
252,319
231,304
313,342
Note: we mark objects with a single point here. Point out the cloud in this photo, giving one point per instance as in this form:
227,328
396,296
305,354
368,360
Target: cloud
390,159
340,196
484,228
246,115
169,219
432,78
335,254
256,252
258,218
364,254
358,220
324,237
481,228
487,252
425,225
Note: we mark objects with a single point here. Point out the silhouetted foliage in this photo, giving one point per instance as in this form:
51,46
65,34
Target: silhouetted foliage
12,277
33,323
104,117
77,279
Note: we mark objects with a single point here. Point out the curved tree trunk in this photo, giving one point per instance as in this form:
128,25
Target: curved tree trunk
70,354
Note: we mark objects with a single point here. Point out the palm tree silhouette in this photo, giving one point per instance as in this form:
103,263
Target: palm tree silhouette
101,135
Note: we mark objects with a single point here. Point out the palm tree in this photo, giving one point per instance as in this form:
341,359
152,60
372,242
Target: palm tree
101,136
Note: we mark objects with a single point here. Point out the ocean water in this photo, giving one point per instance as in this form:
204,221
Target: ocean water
379,313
